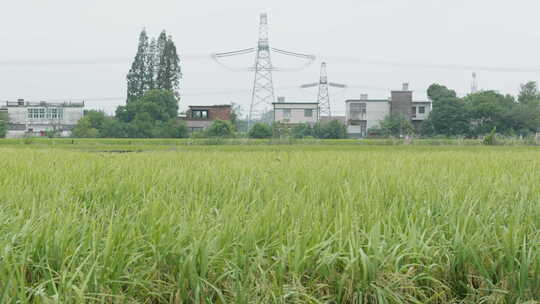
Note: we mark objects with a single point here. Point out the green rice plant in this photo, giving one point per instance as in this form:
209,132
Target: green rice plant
255,223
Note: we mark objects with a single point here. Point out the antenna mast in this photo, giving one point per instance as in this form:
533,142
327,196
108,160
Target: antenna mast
474,86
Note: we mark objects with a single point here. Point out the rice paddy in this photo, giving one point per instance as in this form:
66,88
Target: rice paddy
270,224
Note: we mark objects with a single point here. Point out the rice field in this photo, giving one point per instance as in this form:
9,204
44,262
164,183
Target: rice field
270,224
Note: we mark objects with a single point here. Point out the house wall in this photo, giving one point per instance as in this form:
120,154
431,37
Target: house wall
375,112
214,112
418,115
20,123
219,112
297,113
401,103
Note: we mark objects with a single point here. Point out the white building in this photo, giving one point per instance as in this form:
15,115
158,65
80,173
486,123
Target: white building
37,118
363,114
292,113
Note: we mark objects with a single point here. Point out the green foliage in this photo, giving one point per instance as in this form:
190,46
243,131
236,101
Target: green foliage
280,130
490,139
156,66
302,131
260,130
529,94
220,128
437,92
477,114
3,124
90,125
269,224
139,70
488,110
449,115
396,125
330,130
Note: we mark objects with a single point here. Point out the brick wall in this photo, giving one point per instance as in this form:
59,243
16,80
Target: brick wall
401,103
221,112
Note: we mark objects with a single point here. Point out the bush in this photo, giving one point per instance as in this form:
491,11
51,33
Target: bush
3,124
331,130
396,125
490,139
302,131
220,128
260,130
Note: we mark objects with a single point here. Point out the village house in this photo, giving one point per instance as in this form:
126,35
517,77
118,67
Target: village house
38,118
198,118
363,114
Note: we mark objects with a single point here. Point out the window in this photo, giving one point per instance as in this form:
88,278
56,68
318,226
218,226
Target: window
286,113
413,111
358,111
308,112
422,110
199,114
45,113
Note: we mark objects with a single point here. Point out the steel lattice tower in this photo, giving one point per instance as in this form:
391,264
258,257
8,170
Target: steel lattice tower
263,86
474,86
262,95
324,96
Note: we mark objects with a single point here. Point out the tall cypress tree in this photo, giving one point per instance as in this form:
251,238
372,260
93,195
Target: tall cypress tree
169,71
160,47
150,62
137,74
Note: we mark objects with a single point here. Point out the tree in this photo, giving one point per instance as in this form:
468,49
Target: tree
170,129
302,130
138,74
168,70
239,124
331,130
220,128
396,125
529,94
84,129
260,130
449,115
437,92
161,105
156,66
90,125
488,110
3,124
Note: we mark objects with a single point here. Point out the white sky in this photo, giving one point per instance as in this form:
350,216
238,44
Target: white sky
74,49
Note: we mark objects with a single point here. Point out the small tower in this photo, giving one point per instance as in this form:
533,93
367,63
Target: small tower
474,85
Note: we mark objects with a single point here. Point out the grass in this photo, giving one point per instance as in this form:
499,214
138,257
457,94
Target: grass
269,224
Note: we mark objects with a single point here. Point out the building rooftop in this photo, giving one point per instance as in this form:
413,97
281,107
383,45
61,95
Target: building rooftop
288,102
22,103
367,100
211,106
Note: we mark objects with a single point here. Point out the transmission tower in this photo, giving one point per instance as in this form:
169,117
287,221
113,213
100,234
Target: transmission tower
263,86
263,95
474,85
323,98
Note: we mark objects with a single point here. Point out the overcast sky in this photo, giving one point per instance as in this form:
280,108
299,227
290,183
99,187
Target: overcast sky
74,49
